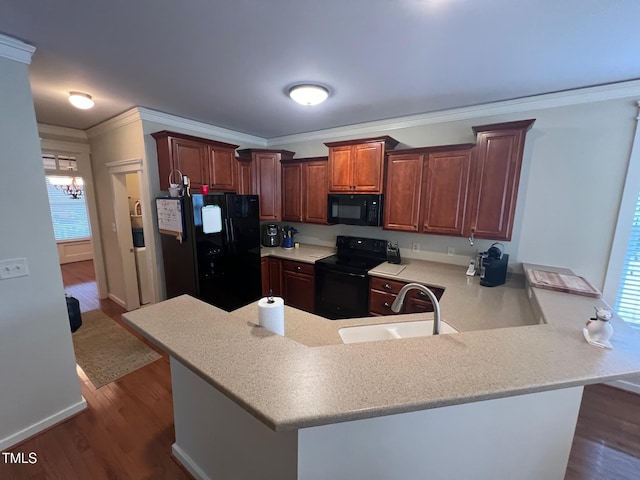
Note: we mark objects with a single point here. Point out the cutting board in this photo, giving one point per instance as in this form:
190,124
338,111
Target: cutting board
561,282
388,269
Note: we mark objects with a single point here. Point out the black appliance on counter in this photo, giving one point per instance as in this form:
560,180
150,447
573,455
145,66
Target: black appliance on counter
493,266
218,258
360,209
341,280
271,235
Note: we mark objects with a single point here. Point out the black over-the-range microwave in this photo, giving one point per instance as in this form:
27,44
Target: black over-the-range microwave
355,209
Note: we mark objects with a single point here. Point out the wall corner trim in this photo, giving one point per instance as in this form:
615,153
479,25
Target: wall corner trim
16,50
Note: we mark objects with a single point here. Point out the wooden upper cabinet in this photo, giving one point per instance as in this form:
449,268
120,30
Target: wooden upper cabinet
340,165
268,179
314,193
368,167
357,166
402,193
205,162
245,177
222,169
444,190
495,176
304,190
292,192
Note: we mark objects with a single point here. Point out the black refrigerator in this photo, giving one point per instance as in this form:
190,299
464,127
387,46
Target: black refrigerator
217,258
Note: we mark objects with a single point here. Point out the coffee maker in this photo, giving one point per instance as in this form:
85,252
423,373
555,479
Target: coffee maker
270,235
493,266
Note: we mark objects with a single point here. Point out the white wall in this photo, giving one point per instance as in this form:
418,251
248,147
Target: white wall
572,177
123,142
38,380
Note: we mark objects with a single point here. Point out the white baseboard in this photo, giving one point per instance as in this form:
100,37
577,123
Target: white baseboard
120,302
625,385
187,462
42,425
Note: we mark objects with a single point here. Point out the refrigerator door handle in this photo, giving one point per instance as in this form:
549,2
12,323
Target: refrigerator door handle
226,230
233,237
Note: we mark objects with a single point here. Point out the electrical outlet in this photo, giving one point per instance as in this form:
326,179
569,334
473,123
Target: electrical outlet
13,267
451,251
415,247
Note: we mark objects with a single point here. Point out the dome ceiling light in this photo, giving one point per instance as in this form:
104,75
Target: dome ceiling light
308,94
81,100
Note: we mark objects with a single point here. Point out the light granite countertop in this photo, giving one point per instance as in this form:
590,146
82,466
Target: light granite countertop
309,378
306,253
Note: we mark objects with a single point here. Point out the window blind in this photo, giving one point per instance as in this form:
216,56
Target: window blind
69,215
628,301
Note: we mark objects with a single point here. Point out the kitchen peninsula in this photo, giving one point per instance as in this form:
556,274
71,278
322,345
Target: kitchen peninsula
488,402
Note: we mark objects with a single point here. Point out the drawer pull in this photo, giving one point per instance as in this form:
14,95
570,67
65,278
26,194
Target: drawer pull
298,268
386,286
422,294
387,304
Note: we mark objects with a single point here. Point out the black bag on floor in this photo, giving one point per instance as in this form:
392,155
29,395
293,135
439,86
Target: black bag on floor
73,307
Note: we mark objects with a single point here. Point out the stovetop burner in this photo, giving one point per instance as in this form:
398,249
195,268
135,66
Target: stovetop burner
356,254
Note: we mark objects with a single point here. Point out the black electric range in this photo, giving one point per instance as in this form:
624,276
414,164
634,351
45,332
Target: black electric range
341,280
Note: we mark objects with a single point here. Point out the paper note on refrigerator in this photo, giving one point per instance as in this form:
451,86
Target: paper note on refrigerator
211,219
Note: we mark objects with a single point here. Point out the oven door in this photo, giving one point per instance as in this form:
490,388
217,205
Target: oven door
341,294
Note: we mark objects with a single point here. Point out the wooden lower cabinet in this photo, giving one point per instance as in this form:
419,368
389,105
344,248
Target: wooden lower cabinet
298,285
271,276
383,292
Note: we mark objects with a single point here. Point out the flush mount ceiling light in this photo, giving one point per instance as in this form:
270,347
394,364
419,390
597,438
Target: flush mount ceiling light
81,100
308,94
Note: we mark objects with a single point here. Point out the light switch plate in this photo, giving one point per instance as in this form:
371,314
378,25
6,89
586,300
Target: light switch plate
13,267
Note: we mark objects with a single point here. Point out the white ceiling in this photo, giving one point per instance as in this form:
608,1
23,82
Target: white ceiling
230,63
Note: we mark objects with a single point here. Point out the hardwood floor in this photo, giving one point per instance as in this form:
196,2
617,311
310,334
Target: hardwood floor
127,430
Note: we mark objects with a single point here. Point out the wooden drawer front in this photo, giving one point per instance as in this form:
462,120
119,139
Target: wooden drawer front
420,295
385,285
413,305
298,267
380,303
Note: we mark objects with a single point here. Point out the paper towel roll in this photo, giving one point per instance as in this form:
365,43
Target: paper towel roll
271,315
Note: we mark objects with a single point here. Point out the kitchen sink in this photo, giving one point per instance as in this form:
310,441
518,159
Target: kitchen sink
391,331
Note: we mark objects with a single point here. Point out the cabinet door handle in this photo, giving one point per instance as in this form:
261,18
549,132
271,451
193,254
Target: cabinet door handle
386,286
387,304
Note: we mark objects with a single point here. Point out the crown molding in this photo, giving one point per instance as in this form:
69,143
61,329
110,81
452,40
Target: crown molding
125,118
173,121
65,146
526,104
47,130
15,49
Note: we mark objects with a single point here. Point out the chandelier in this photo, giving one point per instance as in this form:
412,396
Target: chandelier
72,186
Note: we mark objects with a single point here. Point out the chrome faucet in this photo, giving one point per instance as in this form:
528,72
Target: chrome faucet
397,303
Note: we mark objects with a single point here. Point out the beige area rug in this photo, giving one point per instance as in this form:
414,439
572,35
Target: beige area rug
106,351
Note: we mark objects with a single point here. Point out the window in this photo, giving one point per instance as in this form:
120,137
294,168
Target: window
628,300
68,206
69,215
